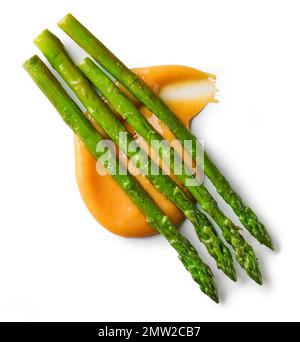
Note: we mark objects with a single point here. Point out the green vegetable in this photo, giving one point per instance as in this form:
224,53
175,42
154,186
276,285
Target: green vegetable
54,51
152,101
130,113
74,118
104,117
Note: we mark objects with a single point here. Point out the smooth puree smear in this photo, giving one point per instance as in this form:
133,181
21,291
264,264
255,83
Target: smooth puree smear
186,91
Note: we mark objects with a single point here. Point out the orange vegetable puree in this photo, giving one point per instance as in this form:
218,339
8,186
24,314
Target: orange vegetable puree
186,91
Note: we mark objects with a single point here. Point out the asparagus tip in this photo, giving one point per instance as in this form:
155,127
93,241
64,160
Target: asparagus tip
213,294
259,280
216,299
232,274
247,259
268,242
228,269
256,276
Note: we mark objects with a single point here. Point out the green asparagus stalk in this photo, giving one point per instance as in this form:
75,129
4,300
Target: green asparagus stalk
152,101
74,118
104,117
121,104
54,51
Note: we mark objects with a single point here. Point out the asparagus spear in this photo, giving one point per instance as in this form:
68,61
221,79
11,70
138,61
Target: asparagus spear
152,101
120,103
104,117
74,118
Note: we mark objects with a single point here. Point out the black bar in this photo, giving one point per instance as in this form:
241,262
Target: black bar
133,331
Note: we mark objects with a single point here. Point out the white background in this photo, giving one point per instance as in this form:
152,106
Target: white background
56,262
